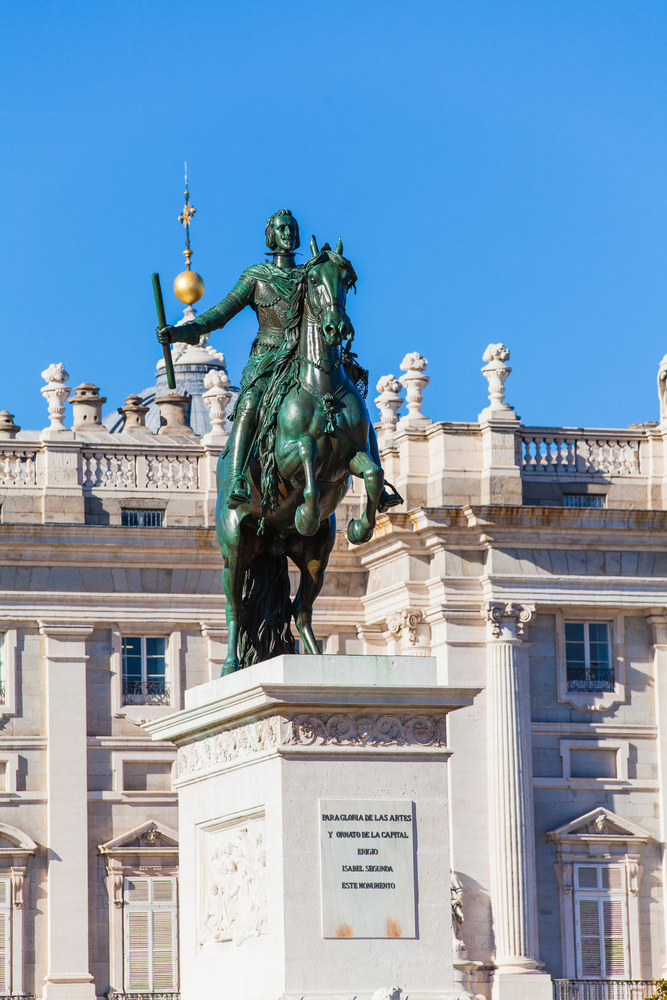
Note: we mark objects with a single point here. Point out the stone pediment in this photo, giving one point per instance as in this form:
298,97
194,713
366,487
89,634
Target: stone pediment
150,835
602,825
13,841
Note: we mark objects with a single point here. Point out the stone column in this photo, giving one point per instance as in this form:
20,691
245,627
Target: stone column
658,621
68,976
511,826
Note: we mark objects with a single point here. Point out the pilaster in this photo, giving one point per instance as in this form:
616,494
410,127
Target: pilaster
511,825
68,976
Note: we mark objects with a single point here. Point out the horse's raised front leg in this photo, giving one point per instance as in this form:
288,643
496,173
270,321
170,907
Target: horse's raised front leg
362,465
307,516
311,556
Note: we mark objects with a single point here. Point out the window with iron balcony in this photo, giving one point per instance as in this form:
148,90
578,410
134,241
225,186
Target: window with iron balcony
587,656
144,670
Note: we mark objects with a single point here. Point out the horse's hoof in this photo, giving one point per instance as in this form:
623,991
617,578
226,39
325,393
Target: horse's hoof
305,524
357,533
229,666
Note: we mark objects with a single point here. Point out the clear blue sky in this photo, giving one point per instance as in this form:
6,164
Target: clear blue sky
496,169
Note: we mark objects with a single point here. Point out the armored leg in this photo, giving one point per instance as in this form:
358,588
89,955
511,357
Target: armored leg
240,444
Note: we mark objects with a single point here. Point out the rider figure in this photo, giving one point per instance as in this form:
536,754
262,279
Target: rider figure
266,288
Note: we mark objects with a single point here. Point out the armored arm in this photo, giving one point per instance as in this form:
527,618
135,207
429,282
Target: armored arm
240,296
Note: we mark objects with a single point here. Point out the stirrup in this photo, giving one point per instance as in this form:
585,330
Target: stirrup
239,493
388,500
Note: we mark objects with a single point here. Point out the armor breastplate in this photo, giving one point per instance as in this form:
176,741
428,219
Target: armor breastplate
270,309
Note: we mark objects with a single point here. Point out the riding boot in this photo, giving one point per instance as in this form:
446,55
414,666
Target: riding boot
387,499
239,446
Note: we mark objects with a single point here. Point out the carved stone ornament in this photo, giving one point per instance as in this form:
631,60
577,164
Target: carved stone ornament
235,906
368,730
404,625
508,614
336,730
387,993
55,373
234,744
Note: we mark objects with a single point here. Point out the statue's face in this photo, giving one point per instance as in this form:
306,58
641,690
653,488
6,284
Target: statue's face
284,230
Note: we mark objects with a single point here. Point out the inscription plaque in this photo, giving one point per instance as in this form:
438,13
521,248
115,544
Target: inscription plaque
367,868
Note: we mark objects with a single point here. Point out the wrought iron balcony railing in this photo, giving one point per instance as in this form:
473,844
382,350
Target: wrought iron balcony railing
145,693
590,679
143,996
603,989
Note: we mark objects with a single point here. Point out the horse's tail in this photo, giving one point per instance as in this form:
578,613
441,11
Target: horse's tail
264,630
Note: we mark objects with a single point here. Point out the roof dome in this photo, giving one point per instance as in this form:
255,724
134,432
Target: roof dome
190,367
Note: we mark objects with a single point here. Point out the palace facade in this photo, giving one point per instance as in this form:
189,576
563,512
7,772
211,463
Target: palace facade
530,561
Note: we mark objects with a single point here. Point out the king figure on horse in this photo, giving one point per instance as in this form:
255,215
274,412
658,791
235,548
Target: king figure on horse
301,428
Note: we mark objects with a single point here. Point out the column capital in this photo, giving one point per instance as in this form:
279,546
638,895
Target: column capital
507,614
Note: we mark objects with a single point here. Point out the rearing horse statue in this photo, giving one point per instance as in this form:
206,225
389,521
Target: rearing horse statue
313,435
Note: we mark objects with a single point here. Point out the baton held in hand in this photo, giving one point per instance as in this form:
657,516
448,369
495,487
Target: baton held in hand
162,322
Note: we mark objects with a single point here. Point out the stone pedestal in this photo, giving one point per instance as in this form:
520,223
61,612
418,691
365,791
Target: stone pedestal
291,770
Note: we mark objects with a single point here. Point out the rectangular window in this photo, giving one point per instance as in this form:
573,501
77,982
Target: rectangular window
150,921
587,657
5,937
142,518
600,922
144,670
583,500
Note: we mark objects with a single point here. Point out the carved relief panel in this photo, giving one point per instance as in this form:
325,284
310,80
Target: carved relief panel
232,877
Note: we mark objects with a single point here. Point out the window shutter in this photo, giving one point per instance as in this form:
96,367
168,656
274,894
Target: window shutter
163,890
138,950
589,938
151,935
5,942
614,946
611,878
137,890
588,877
163,950
4,953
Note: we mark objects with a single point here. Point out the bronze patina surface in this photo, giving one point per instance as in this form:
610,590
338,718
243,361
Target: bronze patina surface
301,429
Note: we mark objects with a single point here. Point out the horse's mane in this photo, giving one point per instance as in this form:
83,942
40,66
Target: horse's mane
285,378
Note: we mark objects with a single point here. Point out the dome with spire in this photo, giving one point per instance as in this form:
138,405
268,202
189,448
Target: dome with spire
191,363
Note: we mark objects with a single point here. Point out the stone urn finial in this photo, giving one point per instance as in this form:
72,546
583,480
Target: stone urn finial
496,372
216,397
55,392
414,381
388,403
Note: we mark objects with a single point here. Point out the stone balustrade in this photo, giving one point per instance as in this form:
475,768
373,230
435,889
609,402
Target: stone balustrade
559,451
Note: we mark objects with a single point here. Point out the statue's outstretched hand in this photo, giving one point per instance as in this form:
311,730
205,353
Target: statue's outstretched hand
165,334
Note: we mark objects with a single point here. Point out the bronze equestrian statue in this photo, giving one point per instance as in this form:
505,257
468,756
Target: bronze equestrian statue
301,428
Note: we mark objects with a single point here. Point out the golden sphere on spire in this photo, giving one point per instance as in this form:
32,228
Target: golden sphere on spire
188,287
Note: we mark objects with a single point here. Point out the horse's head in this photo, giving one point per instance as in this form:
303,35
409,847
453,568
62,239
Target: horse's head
329,275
